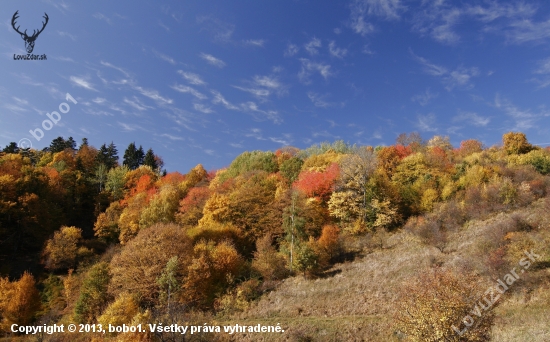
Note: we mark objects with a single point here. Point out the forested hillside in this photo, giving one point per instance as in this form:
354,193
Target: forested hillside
88,237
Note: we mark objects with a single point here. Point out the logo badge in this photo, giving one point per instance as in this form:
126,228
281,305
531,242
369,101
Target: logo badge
29,40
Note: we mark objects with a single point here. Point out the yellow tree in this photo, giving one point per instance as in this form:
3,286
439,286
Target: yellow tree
62,250
18,301
516,143
214,267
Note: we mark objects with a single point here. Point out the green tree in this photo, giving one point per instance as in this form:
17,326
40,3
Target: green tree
290,169
294,225
115,181
168,282
162,208
93,294
100,176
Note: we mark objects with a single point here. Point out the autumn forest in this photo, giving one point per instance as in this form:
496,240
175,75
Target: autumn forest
97,235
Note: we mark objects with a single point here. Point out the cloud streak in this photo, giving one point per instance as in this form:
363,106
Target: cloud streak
213,60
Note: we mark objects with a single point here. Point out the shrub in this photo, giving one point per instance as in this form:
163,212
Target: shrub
429,307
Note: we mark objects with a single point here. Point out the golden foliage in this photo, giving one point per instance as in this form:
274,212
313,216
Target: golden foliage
19,301
213,268
216,209
430,306
320,162
516,143
121,311
62,251
106,225
429,197
136,269
128,222
267,261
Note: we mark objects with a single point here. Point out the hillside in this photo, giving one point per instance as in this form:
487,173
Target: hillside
407,242
356,301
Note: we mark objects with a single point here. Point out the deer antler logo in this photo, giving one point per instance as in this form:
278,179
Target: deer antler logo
29,41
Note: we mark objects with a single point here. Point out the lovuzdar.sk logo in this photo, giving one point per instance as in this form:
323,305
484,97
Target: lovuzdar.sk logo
29,40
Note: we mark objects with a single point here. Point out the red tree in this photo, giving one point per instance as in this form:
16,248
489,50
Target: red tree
318,184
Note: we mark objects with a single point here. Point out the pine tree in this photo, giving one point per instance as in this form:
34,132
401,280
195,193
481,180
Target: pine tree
11,148
57,145
70,143
112,155
133,157
150,160
83,143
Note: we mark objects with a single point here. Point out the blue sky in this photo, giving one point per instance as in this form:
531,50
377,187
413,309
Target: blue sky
203,81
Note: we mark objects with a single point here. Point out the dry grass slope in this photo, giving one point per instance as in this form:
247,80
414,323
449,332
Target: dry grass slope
356,303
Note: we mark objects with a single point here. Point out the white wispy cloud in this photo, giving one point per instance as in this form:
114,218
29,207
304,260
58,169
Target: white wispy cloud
182,118
318,100
213,60
255,42
460,77
187,89
291,50
66,34
219,99
313,46
191,78
161,24
202,108
255,91
544,67
284,140
308,67
136,104
164,57
64,59
424,98
255,133
426,123
92,111
387,9
107,64
362,9
130,127
101,16
439,20
171,137
15,108
263,86
544,70
524,119
82,82
259,114
358,22
472,118
268,82
430,68
221,31
154,95
336,51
